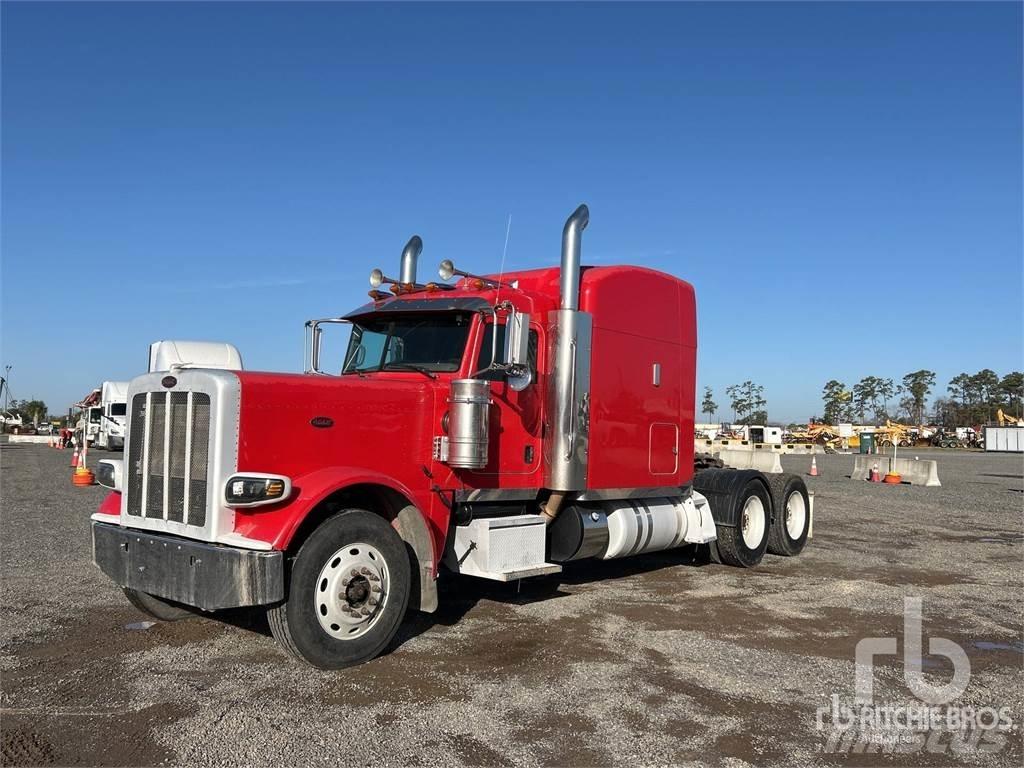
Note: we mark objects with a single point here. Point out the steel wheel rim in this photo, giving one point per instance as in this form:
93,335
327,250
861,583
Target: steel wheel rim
351,591
752,522
796,515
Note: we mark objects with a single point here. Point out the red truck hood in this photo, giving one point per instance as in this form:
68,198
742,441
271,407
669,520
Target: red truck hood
291,423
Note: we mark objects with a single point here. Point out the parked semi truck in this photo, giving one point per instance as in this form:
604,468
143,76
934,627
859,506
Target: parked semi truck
111,411
498,427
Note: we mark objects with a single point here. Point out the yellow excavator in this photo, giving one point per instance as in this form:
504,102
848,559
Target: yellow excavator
1008,421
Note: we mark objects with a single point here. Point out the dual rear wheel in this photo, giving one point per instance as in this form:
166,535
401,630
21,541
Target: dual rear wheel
772,518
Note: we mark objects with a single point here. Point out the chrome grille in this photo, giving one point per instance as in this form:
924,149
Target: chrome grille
168,456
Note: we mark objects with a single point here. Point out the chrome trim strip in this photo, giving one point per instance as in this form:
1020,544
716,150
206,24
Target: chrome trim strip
495,494
610,494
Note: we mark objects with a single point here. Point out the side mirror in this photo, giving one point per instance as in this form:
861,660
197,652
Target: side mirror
517,350
517,339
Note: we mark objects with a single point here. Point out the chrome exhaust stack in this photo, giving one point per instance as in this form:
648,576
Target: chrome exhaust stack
568,396
572,233
410,255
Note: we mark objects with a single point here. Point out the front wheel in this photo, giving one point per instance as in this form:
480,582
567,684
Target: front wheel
744,544
348,592
157,607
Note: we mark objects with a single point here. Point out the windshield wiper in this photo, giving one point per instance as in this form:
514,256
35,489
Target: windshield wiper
412,367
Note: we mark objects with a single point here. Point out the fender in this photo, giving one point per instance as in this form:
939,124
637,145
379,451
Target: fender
111,506
405,515
721,488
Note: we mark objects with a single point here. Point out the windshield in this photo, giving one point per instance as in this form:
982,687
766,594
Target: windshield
432,342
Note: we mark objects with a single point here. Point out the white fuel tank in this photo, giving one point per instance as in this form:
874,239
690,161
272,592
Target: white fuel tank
624,527
645,525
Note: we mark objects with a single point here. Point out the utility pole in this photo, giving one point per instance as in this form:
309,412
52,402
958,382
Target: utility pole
7,382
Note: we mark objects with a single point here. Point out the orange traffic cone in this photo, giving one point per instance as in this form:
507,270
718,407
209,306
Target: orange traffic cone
814,467
874,477
74,458
83,476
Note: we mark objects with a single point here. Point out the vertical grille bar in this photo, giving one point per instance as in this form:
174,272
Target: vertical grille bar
187,469
134,457
177,456
199,459
168,420
144,466
155,466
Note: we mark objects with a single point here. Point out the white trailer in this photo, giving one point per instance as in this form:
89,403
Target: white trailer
113,410
763,434
1004,439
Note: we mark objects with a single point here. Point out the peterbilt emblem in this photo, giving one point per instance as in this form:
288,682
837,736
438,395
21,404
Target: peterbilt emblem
322,422
168,381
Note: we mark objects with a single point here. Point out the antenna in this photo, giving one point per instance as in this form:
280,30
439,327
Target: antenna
504,252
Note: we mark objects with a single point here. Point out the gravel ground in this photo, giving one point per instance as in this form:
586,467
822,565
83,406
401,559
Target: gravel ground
662,659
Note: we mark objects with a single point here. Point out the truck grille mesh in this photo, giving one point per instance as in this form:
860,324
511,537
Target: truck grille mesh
168,456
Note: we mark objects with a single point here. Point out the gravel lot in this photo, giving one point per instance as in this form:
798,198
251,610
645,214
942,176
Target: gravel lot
663,659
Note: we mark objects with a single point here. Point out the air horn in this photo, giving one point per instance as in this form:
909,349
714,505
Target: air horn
447,271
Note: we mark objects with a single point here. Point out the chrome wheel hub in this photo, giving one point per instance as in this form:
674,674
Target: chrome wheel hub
752,522
351,591
796,515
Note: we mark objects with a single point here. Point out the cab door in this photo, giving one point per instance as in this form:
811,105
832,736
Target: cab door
516,428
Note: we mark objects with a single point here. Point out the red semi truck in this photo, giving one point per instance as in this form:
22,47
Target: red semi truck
497,427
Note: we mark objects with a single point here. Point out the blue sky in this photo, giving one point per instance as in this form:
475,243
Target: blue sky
841,182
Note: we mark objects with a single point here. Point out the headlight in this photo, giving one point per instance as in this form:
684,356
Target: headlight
252,489
108,473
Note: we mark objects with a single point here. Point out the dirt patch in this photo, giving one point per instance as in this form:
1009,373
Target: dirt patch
60,738
559,738
89,653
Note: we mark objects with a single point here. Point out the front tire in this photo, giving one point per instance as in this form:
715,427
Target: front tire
348,592
792,505
743,545
157,607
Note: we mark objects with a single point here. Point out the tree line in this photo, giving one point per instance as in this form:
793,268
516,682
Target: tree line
973,399
746,400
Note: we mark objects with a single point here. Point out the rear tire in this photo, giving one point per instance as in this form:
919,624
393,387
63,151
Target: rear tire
744,544
792,505
157,607
348,592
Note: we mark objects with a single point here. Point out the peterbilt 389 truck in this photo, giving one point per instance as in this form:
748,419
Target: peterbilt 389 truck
498,427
